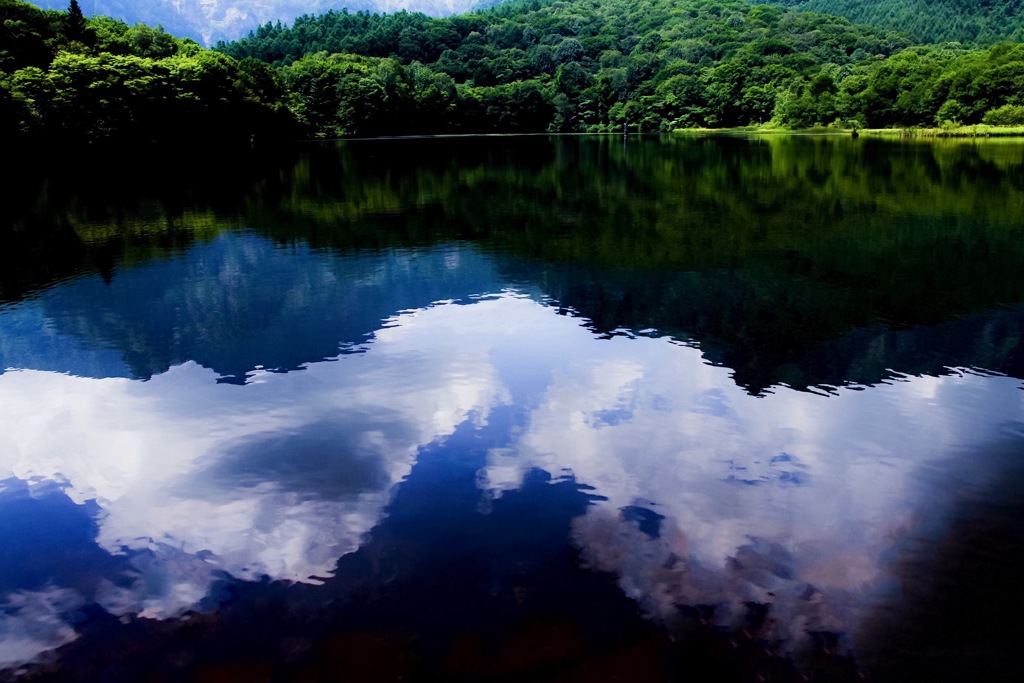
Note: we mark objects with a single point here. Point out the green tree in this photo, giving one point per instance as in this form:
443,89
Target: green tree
1006,115
75,26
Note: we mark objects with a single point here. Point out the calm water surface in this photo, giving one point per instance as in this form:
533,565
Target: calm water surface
518,409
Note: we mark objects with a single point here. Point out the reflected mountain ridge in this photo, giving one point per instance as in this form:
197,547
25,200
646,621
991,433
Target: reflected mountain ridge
235,304
768,253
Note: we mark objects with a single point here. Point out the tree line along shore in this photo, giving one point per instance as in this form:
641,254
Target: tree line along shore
520,66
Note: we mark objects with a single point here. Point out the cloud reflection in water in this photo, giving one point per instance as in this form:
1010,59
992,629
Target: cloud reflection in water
793,498
713,495
280,477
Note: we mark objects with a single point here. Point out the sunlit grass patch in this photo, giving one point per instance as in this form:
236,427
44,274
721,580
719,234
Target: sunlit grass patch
975,131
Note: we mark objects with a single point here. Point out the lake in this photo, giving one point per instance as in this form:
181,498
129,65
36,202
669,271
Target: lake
515,408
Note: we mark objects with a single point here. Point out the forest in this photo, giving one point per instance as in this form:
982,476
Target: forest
520,66
66,79
931,21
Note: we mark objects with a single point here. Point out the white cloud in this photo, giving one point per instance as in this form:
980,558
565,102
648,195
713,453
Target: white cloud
212,477
32,622
824,482
793,493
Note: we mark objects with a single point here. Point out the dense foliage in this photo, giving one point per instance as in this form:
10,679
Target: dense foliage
596,65
66,78
930,21
521,66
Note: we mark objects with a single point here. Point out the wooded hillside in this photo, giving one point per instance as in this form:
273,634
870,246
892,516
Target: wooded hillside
596,65
65,78
522,66
931,21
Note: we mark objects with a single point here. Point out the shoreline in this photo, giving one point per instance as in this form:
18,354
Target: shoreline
974,131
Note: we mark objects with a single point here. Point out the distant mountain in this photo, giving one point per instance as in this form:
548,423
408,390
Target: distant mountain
930,21
208,21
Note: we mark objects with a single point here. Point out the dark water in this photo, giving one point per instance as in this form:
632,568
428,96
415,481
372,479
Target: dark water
516,409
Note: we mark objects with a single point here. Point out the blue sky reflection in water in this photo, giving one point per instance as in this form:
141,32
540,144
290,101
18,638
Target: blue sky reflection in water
416,413
190,480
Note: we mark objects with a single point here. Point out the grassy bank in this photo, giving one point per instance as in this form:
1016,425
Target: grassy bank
766,130
976,131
